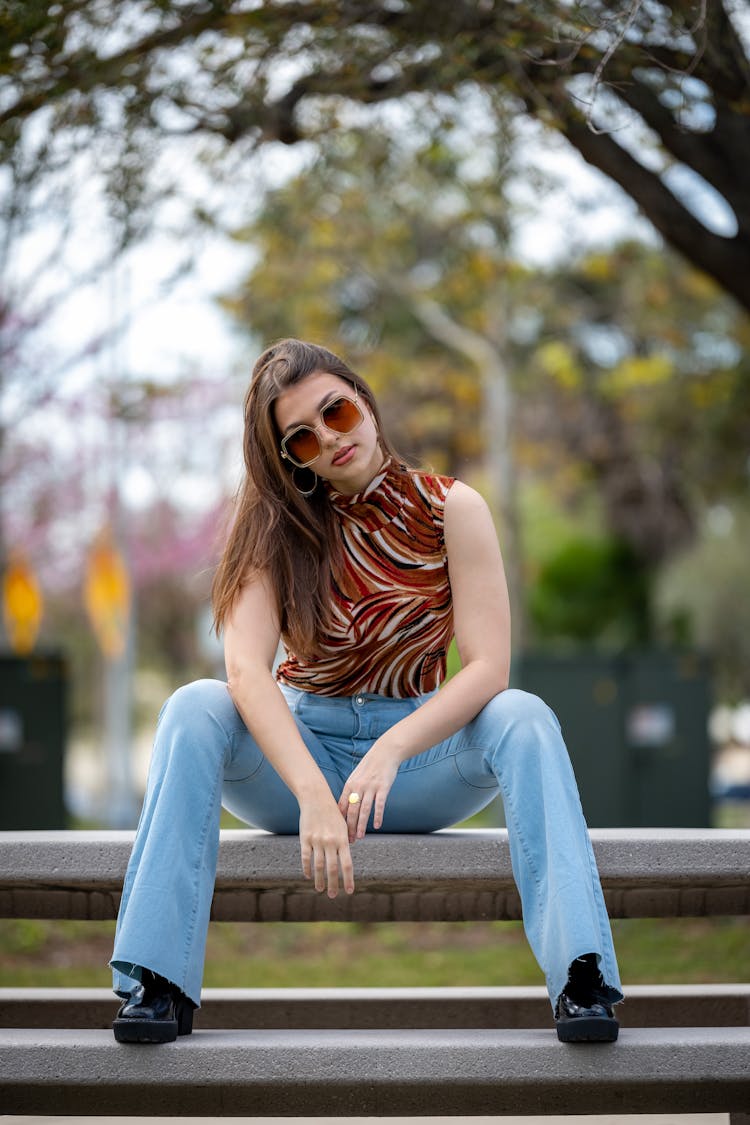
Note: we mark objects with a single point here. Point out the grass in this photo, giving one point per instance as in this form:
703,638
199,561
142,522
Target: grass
330,954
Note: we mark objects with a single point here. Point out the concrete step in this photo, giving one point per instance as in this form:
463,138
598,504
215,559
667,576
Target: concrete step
453,875
385,1073
646,1006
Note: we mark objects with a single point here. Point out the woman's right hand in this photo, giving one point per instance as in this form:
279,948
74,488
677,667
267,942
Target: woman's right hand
324,844
251,638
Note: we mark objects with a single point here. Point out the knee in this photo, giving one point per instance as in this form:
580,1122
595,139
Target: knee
196,727
521,729
195,706
514,707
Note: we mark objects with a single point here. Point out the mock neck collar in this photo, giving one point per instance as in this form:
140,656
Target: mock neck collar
378,503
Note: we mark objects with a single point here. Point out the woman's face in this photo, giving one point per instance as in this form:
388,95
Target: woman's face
348,461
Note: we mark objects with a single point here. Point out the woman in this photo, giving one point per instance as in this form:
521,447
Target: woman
365,569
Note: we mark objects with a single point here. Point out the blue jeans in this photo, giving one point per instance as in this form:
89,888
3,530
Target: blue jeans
204,757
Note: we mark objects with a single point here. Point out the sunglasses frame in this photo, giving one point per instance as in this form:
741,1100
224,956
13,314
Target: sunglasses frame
314,429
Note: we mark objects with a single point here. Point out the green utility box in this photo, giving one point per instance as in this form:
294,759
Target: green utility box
636,726
32,741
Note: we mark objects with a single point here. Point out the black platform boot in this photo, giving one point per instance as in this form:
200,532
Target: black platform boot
156,1012
583,1013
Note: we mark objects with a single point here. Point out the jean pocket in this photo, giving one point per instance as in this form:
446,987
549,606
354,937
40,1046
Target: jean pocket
293,697
471,769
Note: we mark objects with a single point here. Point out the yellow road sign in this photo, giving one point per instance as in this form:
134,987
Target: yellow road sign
22,604
107,595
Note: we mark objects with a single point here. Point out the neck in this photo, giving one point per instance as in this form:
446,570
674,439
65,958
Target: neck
354,487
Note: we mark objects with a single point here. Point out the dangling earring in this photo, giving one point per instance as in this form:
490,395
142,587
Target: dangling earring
304,491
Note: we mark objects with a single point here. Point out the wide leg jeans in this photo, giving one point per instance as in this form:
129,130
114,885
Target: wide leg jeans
204,757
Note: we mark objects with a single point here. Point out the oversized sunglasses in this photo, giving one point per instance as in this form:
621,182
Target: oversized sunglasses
302,445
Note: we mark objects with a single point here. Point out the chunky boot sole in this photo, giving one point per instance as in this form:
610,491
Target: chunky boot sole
145,1031
155,1031
588,1029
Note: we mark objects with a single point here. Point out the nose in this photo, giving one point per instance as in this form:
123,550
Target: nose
326,437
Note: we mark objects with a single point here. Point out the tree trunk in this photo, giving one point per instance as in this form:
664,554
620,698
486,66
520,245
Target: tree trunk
499,458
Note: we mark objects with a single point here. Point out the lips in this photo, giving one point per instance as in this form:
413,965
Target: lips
343,455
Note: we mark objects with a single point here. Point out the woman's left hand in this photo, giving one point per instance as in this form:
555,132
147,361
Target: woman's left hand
371,781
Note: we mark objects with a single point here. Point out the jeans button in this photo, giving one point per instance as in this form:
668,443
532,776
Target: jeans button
359,700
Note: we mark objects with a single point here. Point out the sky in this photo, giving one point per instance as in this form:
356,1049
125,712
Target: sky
175,328
178,328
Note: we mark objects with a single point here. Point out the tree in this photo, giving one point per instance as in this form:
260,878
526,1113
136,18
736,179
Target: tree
623,364
399,250
589,591
642,375
637,373
627,372
138,72
706,587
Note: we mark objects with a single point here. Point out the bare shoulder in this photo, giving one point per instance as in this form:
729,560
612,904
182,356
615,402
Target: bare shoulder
470,535
463,504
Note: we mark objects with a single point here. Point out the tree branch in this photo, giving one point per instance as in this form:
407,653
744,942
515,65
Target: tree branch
725,259
720,165
489,361
83,71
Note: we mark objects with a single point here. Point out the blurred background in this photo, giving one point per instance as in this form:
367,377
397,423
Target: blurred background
527,226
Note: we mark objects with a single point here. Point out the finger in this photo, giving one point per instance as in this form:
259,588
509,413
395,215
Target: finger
306,852
377,820
352,809
350,787
365,807
320,869
347,870
352,817
332,870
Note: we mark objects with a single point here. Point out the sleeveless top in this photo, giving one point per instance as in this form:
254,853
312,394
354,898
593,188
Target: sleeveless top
392,617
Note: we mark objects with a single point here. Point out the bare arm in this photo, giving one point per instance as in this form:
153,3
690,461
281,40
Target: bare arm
251,637
482,629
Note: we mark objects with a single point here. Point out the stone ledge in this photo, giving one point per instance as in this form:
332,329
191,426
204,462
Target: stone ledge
692,1005
356,1073
460,875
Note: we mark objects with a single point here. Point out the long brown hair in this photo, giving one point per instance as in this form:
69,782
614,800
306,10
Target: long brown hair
292,538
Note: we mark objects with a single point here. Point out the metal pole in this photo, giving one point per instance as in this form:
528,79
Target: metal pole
121,807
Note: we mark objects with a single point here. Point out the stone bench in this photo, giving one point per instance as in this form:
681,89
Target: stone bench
696,1005
307,1073
454,875
351,1052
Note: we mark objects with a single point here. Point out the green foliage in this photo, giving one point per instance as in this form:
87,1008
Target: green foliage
630,371
346,247
639,371
591,590
280,955
708,585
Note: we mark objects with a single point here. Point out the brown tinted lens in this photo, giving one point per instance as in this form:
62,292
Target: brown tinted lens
341,415
303,445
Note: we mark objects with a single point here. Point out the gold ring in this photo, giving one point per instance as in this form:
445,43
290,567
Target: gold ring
354,798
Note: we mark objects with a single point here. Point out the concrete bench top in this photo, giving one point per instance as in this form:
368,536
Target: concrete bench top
366,1072
449,875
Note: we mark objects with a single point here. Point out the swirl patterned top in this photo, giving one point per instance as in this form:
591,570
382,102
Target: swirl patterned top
392,611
